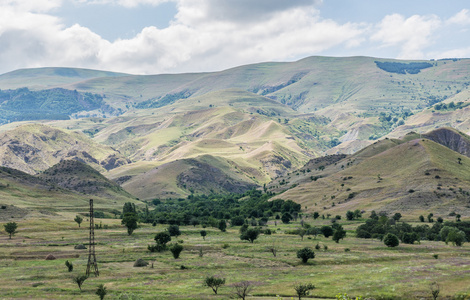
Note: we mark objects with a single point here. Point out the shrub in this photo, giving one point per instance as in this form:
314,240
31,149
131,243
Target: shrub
176,250
69,265
305,254
203,234
162,238
391,240
101,291
140,263
327,231
79,280
303,289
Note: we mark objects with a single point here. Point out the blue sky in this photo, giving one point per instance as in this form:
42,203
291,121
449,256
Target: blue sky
174,36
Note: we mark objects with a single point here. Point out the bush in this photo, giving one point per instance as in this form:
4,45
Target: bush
101,291
303,289
305,254
176,250
391,240
162,238
140,263
327,231
69,265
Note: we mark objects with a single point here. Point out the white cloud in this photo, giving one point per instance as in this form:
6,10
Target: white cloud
125,3
411,35
30,5
195,41
461,18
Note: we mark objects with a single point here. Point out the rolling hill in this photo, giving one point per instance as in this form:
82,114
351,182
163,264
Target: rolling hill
252,123
418,174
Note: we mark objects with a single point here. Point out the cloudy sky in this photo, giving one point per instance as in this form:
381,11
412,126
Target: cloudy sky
174,36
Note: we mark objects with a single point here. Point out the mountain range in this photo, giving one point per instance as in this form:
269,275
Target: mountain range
323,118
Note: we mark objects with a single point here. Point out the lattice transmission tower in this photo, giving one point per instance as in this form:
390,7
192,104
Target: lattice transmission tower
92,264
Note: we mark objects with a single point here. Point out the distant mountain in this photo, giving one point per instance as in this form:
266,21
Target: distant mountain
415,175
259,121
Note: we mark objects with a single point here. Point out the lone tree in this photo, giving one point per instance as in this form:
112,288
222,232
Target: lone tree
214,283
250,234
78,219
305,254
176,250
391,240
203,234
130,221
339,234
10,228
101,291
243,288
79,280
303,289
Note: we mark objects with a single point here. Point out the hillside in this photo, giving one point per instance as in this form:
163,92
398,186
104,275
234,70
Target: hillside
26,196
33,148
259,121
415,175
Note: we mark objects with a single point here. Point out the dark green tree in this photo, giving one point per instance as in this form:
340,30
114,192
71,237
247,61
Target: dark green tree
421,218
222,225
78,219
397,216
130,221
176,249
339,234
214,283
305,254
128,208
349,215
251,234
391,240
10,228
174,230
327,231
203,234
162,238
316,215
286,218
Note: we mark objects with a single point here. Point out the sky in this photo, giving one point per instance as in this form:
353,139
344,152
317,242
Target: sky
179,36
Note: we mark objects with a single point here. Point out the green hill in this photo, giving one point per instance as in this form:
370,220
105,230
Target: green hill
413,175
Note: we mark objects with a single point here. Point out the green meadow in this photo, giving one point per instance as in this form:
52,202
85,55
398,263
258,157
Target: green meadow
358,267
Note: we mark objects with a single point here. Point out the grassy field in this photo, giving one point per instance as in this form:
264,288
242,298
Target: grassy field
367,269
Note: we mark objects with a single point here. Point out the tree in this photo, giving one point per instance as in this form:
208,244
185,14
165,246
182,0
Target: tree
391,240
10,228
435,290
397,216
315,215
421,218
303,289
302,232
327,231
305,254
203,234
162,238
79,280
128,208
430,219
222,225
339,234
214,283
349,215
237,221
243,288
250,234
176,250
286,218
78,219
455,236
69,265
130,221
101,291
174,230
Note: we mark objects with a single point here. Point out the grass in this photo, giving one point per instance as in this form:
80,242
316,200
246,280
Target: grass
368,269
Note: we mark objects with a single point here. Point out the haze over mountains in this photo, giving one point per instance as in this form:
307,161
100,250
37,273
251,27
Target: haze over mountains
164,136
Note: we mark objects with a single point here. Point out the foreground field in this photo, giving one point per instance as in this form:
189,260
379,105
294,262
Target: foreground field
357,267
